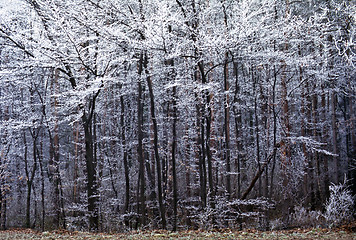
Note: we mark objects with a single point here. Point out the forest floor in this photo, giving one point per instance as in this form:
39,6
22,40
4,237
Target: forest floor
313,233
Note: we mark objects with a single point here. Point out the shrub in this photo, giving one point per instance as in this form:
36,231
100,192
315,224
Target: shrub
303,217
339,207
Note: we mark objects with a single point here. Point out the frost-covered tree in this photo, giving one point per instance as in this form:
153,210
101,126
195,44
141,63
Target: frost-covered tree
146,113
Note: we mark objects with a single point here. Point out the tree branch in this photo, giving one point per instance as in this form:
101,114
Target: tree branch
259,172
17,44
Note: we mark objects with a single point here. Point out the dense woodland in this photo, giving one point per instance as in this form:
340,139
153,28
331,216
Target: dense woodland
185,114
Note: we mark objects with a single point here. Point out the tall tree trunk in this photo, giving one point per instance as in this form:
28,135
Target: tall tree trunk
4,116
54,160
316,133
201,147
238,123
3,210
227,127
207,116
258,147
313,159
155,131
174,149
334,138
303,132
257,131
28,196
325,138
171,76
76,160
40,161
141,201
274,128
30,175
91,164
352,159
285,148
126,165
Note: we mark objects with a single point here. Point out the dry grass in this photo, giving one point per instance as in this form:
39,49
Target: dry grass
226,234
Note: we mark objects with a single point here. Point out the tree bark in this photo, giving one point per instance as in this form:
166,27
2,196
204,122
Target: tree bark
237,123
334,138
325,138
30,175
174,149
227,127
274,128
352,158
207,116
141,201
200,146
126,165
257,131
91,164
40,161
155,131
170,63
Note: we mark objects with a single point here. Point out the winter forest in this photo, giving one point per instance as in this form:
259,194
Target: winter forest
176,114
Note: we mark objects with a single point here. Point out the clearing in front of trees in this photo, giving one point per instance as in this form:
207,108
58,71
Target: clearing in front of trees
346,233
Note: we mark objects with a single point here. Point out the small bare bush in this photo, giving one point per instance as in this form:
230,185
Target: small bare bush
339,207
303,217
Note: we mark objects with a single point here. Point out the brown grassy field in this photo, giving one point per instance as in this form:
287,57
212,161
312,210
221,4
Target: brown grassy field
226,234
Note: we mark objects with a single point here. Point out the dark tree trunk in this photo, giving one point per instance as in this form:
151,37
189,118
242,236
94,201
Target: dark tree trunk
257,132
141,202
157,159
54,157
174,145
201,147
4,180
92,185
314,161
352,158
126,165
325,159
207,116
258,147
40,161
91,164
227,127
90,157
238,123
274,128
30,174
334,137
